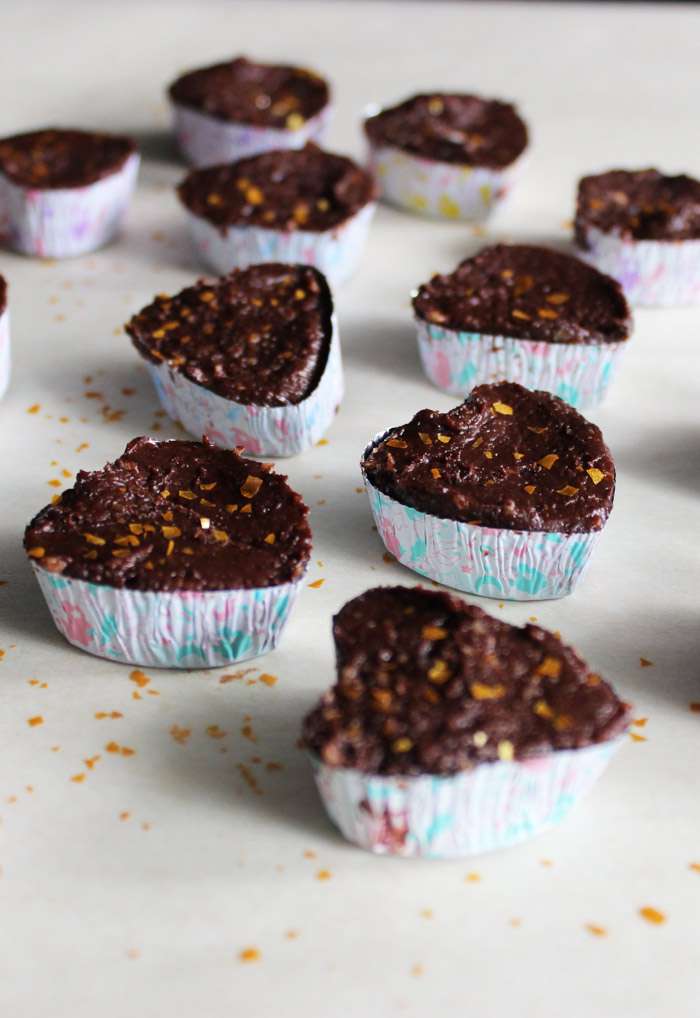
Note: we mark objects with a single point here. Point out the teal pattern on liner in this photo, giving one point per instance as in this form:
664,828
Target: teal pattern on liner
181,629
493,806
514,565
260,430
456,362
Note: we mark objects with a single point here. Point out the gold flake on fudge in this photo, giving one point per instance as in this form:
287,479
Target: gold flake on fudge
487,697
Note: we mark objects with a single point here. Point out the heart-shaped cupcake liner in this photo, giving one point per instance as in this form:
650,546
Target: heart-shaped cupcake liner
260,430
456,362
512,565
163,629
493,806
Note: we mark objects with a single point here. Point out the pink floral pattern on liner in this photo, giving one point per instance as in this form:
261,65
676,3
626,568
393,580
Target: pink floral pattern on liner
440,190
186,629
493,806
261,431
580,373
65,222
653,273
207,141
337,253
5,361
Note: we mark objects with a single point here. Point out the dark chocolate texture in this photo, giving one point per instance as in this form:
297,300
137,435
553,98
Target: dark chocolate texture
260,335
639,205
264,95
55,158
452,128
175,516
527,292
506,457
428,684
288,189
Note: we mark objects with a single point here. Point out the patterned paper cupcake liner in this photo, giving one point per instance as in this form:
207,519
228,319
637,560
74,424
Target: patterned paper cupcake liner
440,190
653,273
185,629
336,253
5,366
511,565
64,222
207,141
493,806
260,430
457,361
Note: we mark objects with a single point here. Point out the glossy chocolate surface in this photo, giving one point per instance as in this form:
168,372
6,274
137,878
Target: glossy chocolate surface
172,516
506,457
258,336
428,684
527,292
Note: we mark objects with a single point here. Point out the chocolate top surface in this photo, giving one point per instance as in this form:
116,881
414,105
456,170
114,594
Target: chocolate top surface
639,205
288,189
55,158
527,292
452,128
174,516
428,684
506,457
264,95
260,335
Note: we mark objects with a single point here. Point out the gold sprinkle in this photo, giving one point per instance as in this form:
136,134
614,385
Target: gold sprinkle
530,488
294,121
488,454
397,443
249,954
518,456
548,461
502,408
187,494
435,472
567,490
595,475
271,538
597,931
444,439
36,552
547,313
402,745
550,668
439,672
543,710
251,486
505,750
220,535
170,548
482,691
254,195
170,532
480,739
557,298
425,438
433,633
521,314
652,915
94,539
